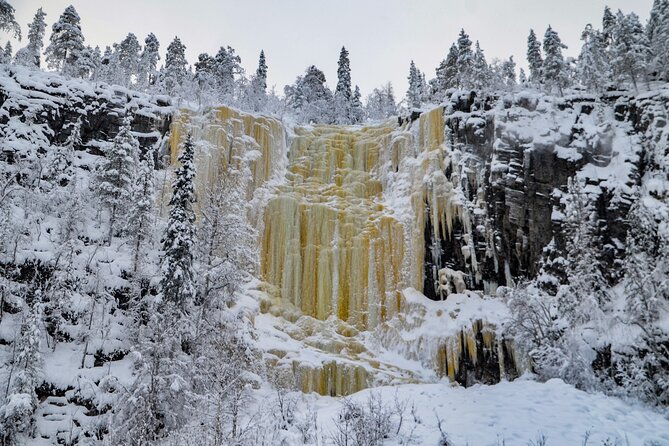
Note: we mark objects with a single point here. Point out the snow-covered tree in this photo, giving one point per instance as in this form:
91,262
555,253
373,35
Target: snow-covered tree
6,54
534,58
310,97
258,93
261,73
7,21
657,33
128,59
381,103
205,78
140,222
509,72
357,112
148,62
178,279
226,240
30,55
67,43
17,420
228,65
465,59
115,176
586,294
608,24
630,48
592,68
343,92
415,92
554,69
175,71
480,74
447,72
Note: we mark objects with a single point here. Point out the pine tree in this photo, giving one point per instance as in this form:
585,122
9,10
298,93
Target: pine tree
381,103
630,48
61,159
592,68
310,97
128,58
357,112
228,65
343,92
17,414
586,294
465,62
178,281
67,43
175,71
554,68
115,176
148,62
657,34
509,72
30,55
140,219
7,21
414,92
534,59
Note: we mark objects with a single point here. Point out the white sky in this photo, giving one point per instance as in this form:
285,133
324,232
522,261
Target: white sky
382,36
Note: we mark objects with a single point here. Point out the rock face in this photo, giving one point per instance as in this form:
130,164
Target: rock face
515,160
50,105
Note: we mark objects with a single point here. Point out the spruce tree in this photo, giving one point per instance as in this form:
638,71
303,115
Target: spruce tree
175,71
586,294
447,72
259,84
480,76
608,24
115,176
414,92
260,79
128,59
657,34
17,414
592,68
148,62
67,43
178,279
357,112
7,21
30,55
343,91
630,49
465,62
140,218
554,68
534,59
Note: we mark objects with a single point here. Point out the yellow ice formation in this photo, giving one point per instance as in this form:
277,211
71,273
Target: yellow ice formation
329,245
224,136
333,246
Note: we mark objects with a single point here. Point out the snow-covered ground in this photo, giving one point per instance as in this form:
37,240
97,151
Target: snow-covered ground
511,413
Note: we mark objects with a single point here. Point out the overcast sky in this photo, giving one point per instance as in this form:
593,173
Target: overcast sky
382,36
